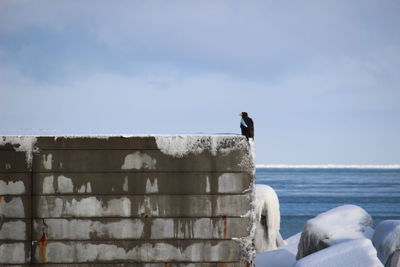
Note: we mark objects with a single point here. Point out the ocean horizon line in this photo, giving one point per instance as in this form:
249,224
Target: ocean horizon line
327,166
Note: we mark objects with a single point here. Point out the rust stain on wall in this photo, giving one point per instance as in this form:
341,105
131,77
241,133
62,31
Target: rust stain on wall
42,248
225,226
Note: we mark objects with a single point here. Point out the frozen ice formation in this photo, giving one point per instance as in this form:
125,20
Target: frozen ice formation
181,145
386,240
334,226
268,219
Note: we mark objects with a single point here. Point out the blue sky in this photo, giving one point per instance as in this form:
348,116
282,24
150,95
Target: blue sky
321,79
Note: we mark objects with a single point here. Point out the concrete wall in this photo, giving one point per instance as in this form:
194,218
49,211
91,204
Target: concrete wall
121,200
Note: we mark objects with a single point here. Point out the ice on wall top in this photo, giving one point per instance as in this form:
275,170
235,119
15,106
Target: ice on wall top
21,143
172,145
181,145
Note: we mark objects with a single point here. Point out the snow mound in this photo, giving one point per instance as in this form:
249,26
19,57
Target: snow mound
334,226
386,240
268,219
284,256
354,253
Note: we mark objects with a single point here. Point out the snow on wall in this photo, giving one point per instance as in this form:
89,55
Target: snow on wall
47,186
246,244
47,161
267,236
151,187
147,208
182,145
386,239
62,184
11,187
13,208
86,229
334,226
138,161
198,228
21,143
85,207
354,253
125,186
85,188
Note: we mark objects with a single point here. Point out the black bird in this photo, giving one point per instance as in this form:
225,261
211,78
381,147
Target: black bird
247,126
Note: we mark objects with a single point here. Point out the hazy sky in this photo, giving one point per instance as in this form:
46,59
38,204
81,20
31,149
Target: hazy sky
321,79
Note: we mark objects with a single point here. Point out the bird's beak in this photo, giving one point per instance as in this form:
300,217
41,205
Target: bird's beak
241,114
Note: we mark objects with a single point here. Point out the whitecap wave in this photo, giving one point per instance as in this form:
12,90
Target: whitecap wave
326,166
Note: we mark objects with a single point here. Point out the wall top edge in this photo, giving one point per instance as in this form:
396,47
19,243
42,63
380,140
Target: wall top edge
123,135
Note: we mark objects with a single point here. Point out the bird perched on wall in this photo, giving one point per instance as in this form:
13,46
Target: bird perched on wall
247,126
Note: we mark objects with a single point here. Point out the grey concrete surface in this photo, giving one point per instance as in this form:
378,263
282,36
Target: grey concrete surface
12,161
125,201
138,251
134,161
140,228
112,183
140,205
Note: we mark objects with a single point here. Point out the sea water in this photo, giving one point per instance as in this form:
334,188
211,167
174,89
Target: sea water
305,193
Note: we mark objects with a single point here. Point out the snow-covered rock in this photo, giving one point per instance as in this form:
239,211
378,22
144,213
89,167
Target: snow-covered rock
354,253
284,256
394,260
334,226
386,240
268,219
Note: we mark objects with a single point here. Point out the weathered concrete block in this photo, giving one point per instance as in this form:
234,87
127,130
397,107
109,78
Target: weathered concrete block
128,251
134,161
177,145
96,142
140,228
12,161
15,229
140,206
160,264
170,183
123,201
14,252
